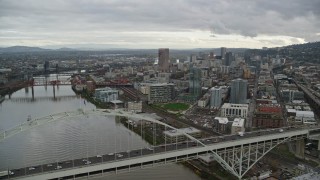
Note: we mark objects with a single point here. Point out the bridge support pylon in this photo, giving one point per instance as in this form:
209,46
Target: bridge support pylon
300,148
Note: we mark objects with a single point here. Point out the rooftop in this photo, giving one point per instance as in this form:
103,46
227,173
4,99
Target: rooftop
229,105
222,120
206,158
238,122
189,130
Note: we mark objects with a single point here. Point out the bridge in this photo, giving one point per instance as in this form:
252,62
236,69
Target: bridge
236,154
33,99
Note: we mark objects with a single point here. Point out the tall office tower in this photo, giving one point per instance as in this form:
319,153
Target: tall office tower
239,88
223,52
164,60
211,55
216,97
46,66
229,57
193,58
195,82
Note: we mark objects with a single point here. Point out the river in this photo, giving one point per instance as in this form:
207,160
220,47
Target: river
74,137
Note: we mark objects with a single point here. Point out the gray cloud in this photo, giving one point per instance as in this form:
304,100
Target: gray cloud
86,20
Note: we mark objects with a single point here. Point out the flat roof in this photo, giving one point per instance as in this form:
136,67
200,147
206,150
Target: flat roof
292,110
206,158
305,113
189,130
238,122
222,120
116,102
151,115
229,105
161,84
309,176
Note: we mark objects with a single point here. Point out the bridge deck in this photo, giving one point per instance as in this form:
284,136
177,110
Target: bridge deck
138,157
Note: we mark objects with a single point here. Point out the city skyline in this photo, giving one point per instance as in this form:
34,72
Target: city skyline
154,24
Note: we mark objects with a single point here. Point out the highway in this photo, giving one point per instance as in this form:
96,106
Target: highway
58,166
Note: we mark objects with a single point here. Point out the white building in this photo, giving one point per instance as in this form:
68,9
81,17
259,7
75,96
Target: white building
203,101
234,110
306,117
106,94
224,69
237,126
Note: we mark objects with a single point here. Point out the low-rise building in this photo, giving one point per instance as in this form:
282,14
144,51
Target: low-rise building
221,124
134,106
305,117
106,94
206,159
203,102
237,126
160,93
234,110
174,135
268,116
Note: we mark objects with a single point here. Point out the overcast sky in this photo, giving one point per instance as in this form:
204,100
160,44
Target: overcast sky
158,23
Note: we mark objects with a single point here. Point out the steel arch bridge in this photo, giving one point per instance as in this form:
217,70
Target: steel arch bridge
235,154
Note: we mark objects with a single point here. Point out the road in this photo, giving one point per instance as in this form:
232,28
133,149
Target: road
55,166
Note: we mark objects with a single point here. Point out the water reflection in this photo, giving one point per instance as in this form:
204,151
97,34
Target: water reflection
69,138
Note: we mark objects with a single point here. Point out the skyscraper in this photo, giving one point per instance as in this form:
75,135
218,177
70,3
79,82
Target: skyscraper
223,52
195,81
164,60
193,58
216,99
239,88
229,57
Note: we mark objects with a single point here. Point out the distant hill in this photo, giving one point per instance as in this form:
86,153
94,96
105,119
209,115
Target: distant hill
66,49
307,52
13,49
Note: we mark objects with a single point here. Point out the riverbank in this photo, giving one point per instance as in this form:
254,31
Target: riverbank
147,133
88,97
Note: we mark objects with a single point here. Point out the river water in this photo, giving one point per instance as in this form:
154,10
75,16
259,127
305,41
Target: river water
73,137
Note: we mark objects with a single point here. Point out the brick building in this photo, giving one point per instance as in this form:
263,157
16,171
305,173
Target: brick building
268,116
